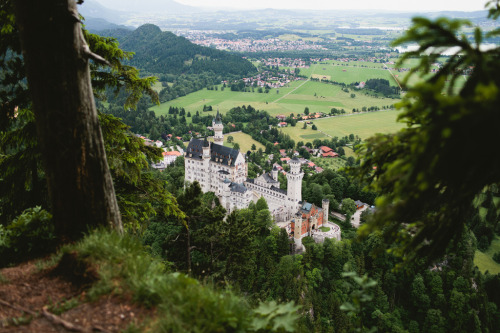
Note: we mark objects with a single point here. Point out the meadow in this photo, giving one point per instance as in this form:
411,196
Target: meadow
317,96
484,260
348,72
364,125
244,140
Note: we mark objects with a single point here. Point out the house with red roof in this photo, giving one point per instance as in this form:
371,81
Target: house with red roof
330,154
325,149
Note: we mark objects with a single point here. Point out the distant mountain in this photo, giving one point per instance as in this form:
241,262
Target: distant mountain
91,9
159,51
148,6
97,25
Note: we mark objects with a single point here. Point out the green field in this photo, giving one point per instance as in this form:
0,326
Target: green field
485,262
349,72
298,134
329,163
244,140
291,99
318,96
364,125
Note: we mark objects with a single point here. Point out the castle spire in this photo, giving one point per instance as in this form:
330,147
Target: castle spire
218,128
217,118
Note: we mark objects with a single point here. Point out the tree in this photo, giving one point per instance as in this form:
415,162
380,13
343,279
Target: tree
230,139
348,207
424,192
79,182
306,111
236,146
254,147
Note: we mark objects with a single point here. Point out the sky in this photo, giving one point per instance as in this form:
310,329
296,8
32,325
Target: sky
396,5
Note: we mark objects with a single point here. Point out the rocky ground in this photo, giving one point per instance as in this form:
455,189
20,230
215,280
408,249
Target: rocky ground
33,299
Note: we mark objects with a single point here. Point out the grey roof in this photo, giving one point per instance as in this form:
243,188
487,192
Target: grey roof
217,118
275,168
223,155
235,187
269,179
276,189
195,147
206,143
294,160
307,207
219,154
223,172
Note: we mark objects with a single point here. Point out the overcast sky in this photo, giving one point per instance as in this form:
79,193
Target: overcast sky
398,5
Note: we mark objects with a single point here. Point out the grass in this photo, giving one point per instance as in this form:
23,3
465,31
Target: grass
244,140
324,229
364,125
349,72
319,97
484,260
298,134
183,304
335,163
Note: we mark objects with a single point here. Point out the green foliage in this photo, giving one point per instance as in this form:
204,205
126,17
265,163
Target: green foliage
141,194
184,304
279,318
416,168
159,51
348,207
117,75
29,235
360,295
496,257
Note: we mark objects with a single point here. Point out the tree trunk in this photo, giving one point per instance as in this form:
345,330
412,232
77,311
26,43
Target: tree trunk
57,65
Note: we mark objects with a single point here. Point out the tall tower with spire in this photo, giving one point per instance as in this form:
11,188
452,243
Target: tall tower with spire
294,185
218,127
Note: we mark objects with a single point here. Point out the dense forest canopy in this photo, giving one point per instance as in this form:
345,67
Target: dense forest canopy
159,51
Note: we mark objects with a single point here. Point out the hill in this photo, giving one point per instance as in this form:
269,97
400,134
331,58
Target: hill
159,51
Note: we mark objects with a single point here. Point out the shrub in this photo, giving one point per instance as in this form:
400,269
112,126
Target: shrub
496,257
29,235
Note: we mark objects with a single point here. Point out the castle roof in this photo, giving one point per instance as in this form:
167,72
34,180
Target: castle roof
268,179
217,118
218,153
276,189
235,187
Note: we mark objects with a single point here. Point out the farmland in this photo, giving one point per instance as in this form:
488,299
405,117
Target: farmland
484,260
319,97
349,72
364,125
244,140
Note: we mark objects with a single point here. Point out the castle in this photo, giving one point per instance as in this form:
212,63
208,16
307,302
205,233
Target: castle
224,171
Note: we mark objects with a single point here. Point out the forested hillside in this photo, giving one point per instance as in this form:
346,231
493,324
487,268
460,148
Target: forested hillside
165,53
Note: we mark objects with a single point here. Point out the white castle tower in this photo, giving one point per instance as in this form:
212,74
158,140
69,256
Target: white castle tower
205,184
218,128
294,185
326,206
